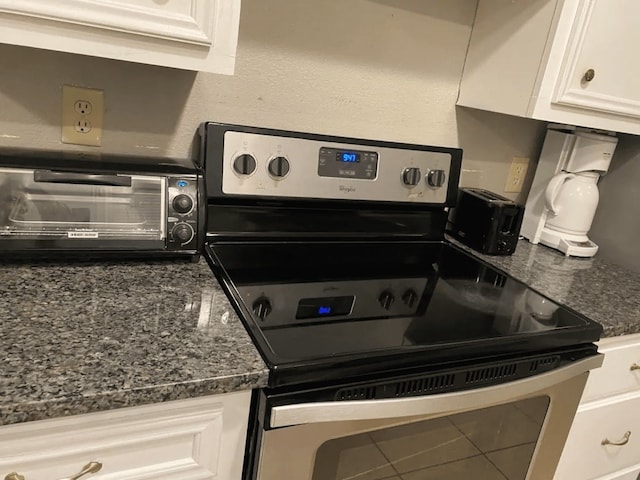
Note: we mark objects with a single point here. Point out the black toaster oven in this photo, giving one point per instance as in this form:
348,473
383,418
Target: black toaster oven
56,203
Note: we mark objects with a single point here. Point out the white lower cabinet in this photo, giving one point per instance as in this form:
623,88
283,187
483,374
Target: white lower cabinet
599,442
201,438
604,441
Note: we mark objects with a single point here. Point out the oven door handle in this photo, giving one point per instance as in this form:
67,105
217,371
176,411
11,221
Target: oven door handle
49,176
289,415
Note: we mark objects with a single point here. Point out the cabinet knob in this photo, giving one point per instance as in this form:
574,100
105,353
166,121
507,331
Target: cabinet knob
589,75
13,476
619,443
91,467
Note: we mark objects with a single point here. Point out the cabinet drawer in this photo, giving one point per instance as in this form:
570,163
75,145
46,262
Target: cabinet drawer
185,440
616,374
584,457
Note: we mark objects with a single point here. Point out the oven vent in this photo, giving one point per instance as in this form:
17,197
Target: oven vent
424,385
546,363
489,374
356,393
451,380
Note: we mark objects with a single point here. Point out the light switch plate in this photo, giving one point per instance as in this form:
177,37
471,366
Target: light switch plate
82,115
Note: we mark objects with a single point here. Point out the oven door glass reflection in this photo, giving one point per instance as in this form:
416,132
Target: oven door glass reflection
495,443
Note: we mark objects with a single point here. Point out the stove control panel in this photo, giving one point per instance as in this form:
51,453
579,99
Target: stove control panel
289,304
267,164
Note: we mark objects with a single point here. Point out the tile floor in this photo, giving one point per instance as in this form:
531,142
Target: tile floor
490,444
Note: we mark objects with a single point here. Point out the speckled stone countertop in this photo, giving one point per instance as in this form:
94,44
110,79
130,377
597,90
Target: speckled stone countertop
602,291
84,337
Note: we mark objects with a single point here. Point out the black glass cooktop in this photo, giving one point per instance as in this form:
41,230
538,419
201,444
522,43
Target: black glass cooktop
329,309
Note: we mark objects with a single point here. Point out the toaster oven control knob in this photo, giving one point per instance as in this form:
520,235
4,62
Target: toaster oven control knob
278,167
386,299
411,176
262,307
409,298
183,232
244,164
435,178
182,203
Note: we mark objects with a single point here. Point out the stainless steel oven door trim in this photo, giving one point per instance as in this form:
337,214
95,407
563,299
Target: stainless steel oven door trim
305,413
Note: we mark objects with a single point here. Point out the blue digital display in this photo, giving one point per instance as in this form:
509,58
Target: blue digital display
348,157
324,307
182,183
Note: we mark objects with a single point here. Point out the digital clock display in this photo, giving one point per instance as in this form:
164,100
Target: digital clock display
324,307
347,157
347,161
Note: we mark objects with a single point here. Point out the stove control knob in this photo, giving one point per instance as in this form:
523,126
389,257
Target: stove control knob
409,298
435,178
386,299
262,308
183,232
279,167
182,203
244,164
411,176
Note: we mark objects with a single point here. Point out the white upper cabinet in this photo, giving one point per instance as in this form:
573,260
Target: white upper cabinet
197,35
571,61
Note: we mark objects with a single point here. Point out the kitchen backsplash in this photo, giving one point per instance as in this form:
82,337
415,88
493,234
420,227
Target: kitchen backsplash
386,69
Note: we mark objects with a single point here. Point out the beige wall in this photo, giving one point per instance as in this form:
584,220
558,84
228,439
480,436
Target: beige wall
381,69
616,226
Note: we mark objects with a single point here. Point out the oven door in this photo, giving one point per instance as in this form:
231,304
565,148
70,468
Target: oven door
511,431
62,210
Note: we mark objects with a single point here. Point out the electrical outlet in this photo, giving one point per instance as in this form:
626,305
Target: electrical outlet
517,174
82,115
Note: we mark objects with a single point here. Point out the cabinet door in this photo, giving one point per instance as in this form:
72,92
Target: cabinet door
187,34
601,67
604,439
620,371
194,439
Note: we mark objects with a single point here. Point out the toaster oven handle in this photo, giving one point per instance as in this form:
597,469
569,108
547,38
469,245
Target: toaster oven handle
49,176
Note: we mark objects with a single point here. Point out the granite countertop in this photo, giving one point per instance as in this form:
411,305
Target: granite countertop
84,337
602,291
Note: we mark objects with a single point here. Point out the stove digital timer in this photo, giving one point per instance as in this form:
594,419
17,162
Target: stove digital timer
338,163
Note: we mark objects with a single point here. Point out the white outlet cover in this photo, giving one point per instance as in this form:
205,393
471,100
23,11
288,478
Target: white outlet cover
82,107
517,175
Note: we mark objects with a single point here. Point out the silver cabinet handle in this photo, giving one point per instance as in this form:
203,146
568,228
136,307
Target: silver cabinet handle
619,443
634,366
91,467
13,476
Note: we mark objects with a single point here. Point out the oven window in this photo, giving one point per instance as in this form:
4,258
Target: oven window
495,443
51,205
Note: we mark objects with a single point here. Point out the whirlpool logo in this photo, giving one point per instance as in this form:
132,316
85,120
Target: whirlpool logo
346,189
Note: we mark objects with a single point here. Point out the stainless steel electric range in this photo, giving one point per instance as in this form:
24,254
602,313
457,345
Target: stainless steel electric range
378,332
